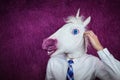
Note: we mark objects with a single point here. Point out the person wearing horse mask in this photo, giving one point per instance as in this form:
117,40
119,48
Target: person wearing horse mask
69,58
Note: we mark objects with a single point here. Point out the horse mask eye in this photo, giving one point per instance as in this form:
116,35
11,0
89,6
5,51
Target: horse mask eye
75,31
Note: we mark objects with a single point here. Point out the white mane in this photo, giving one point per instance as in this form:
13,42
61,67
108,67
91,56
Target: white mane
74,19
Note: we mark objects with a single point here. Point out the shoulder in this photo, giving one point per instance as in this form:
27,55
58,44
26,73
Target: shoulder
93,61
92,58
57,58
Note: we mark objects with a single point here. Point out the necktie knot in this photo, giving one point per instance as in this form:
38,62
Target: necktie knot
70,62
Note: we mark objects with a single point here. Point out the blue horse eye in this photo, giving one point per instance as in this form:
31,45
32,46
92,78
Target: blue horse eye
75,31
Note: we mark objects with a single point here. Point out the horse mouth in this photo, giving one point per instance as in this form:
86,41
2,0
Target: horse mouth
51,49
50,52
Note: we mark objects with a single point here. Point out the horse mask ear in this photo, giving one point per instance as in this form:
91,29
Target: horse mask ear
87,21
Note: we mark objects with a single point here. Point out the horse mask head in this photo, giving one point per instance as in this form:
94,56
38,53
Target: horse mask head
69,38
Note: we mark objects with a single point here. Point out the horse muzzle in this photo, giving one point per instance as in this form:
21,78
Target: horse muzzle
50,45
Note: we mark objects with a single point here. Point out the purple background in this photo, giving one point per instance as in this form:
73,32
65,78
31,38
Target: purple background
25,23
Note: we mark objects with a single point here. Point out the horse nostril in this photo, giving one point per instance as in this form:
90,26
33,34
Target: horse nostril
48,43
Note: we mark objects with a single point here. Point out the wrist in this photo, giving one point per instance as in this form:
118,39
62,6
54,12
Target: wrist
100,48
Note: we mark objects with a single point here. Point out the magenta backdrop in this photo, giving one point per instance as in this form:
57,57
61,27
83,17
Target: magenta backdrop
25,23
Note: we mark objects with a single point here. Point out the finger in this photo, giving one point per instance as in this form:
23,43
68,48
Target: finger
91,33
88,32
88,35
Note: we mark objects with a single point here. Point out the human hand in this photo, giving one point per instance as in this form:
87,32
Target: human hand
93,40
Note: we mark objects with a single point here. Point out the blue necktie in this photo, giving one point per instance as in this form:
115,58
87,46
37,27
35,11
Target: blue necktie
70,75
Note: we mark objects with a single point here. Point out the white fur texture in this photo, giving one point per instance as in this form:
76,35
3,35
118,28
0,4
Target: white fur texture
67,41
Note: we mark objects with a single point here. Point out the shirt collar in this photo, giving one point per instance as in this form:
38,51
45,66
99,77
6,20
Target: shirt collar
75,60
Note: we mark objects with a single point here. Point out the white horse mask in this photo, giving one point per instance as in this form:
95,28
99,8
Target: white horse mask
69,38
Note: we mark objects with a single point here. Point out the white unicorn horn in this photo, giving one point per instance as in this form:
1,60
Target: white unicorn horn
78,12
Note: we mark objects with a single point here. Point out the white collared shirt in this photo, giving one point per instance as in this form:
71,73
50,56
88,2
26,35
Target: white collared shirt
86,67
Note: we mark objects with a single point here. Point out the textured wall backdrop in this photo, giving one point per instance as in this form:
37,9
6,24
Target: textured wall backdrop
25,23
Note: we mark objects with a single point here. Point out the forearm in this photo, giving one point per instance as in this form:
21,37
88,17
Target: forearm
109,60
